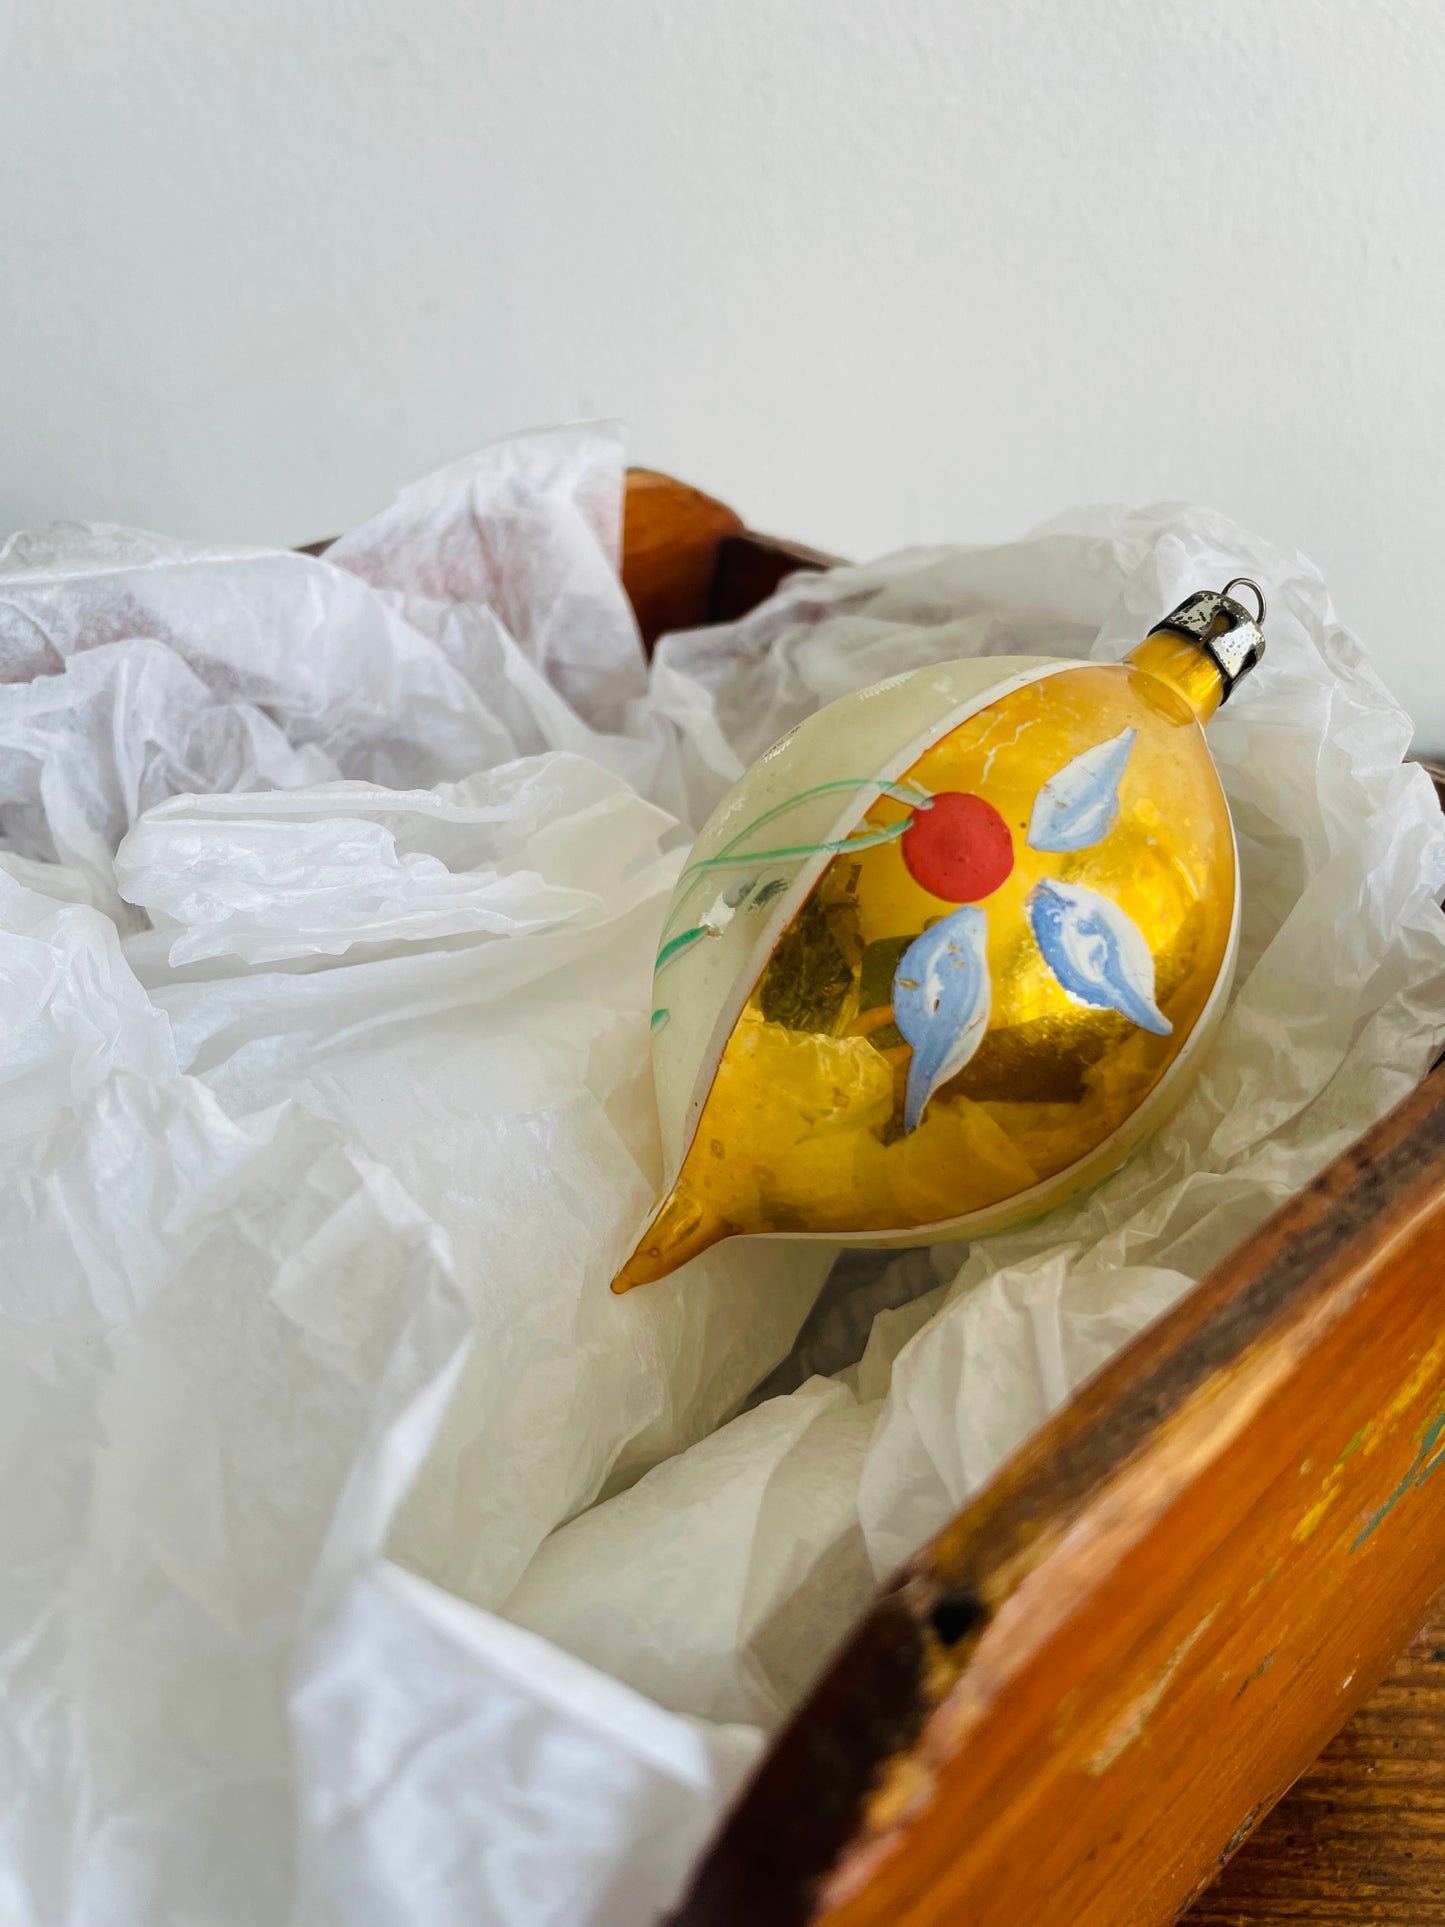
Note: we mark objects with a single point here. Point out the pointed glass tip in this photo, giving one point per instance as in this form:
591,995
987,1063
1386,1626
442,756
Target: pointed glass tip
680,1230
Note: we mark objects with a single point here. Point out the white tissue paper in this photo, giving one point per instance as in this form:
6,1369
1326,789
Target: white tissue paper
362,1559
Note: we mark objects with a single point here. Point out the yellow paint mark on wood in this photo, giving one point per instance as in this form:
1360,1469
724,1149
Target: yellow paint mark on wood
1312,1520
1427,1372
1369,1438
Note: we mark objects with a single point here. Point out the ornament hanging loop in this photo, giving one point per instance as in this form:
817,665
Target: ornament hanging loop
1248,582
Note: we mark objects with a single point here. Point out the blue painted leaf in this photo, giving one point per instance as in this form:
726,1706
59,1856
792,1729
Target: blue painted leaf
1080,802
941,1002
1097,952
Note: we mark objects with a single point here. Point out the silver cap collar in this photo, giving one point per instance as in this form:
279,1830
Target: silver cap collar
1222,627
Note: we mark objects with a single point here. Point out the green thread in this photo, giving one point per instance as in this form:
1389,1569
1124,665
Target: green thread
911,793
868,841
680,943
685,939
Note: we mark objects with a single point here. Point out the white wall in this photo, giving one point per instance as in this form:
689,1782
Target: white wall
876,272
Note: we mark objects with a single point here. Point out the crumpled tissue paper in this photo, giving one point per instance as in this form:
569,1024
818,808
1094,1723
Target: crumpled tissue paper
362,1560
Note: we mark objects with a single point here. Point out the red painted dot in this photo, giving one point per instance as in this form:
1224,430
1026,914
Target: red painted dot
960,849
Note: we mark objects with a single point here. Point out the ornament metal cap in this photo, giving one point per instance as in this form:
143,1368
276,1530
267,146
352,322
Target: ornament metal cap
1229,635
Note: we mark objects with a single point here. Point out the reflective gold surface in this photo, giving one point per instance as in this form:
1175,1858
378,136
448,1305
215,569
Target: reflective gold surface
803,1128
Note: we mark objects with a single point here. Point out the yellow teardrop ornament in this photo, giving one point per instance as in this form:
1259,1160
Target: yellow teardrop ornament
950,950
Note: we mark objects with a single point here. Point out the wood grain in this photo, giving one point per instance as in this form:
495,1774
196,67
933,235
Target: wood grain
1076,1702
671,534
1361,1836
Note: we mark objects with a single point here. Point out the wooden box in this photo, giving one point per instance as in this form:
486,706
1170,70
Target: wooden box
1074,1704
